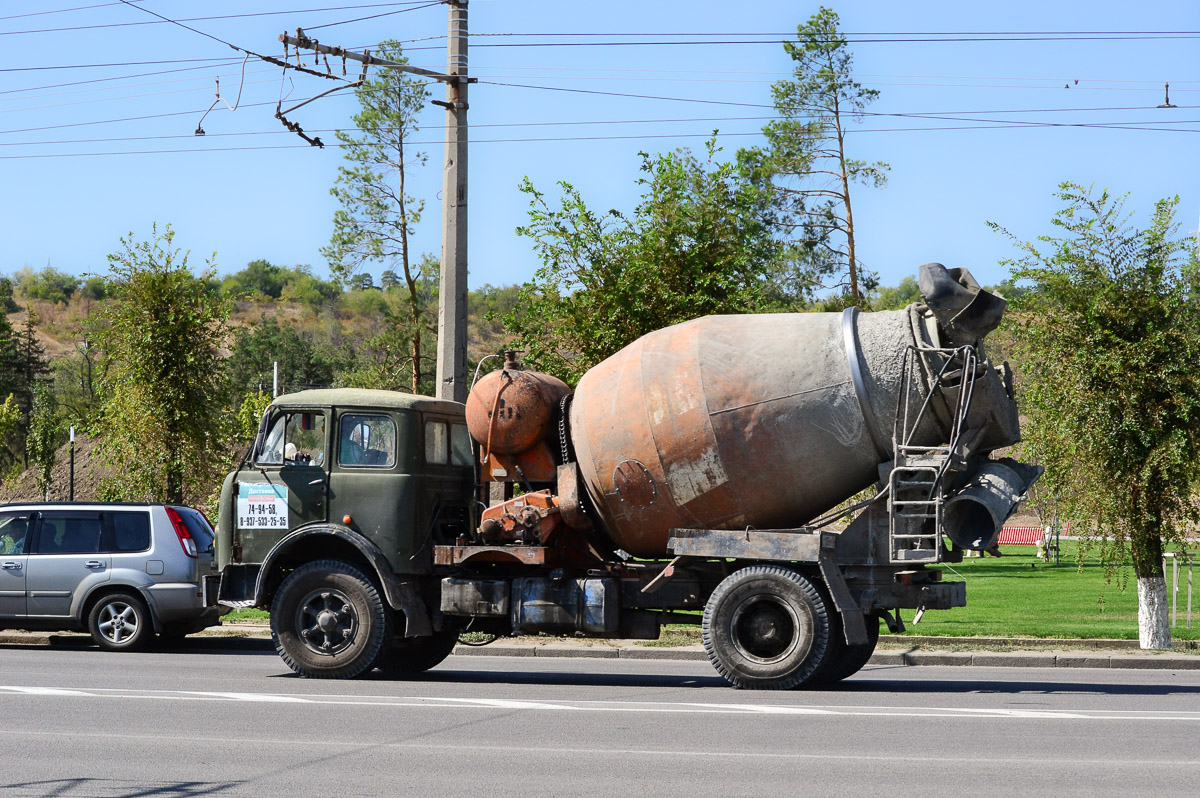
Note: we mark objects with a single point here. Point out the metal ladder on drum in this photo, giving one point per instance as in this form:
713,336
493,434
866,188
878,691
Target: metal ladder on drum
915,495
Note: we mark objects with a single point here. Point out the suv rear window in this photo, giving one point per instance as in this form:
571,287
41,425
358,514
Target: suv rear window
198,527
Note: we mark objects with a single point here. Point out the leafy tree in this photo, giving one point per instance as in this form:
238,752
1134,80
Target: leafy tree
94,288
44,437
10,417
7,303
1109,341
49,284
301,285
365,282
250,410
260,345
259,278
487,308
33,367
76,381
163,393
12,383
384,360
377,214
901,296
698,243
807,158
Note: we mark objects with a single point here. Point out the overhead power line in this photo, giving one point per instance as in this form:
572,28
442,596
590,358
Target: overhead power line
1148,125
163,21
111,64
60,10
878,40
748,105
375,16
564,139
842,34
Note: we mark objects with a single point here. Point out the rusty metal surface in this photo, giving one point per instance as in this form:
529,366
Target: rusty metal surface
752,544
737,420
530,517
569,503
532,465
510,411
634,484
524,555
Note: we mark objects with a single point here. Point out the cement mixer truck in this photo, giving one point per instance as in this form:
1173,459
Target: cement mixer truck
788,482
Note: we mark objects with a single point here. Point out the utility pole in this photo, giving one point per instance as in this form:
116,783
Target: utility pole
452,307
452,298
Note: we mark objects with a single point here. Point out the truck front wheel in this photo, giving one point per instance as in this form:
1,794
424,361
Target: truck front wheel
328,621
766,628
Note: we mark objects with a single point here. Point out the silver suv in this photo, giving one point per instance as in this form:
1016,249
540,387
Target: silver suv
120,571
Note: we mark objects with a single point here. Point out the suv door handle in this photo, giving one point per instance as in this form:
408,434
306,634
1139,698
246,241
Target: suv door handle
11,566
93,564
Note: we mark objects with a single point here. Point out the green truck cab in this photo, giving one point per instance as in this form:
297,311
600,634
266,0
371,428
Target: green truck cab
331,520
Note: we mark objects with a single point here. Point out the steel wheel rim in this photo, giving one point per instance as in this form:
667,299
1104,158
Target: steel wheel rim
765,629
327,622
119,622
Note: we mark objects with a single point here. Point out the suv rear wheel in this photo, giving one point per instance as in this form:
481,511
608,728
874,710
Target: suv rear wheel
120,622
328,621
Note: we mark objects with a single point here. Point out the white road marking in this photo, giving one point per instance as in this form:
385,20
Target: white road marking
1138,759
555,705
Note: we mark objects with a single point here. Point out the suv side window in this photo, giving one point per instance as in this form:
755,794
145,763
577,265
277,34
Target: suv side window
130,532
14,533
69,532
294,439
367,440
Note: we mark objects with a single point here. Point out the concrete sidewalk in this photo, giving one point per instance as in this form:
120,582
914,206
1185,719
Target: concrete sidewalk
893,650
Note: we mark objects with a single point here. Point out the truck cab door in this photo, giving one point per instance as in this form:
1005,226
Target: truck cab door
286,482
371,480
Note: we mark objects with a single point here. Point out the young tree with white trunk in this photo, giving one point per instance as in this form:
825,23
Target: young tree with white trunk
1108,341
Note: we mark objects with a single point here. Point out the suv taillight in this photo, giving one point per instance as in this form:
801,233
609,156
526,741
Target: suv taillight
181,531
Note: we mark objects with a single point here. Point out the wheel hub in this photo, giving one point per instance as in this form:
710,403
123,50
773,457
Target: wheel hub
764,629
326,621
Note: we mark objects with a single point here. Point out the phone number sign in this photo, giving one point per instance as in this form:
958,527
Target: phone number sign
262,506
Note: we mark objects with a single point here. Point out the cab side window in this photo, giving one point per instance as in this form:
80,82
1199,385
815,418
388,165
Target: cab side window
294,439
447,444
69,533
366,440
14,533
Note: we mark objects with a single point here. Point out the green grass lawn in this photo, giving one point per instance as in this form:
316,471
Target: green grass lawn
1017,595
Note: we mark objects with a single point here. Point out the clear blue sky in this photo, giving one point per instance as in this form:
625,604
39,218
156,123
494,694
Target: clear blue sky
974,130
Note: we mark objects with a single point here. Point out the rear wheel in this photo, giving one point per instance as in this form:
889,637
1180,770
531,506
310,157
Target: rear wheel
767,628
120,622
328,621
418,654
848,660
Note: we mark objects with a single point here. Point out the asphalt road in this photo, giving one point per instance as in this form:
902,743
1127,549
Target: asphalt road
201,721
